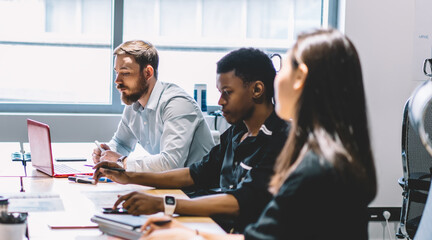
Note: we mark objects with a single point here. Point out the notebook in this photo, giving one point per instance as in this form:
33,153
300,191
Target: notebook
41,153
119,225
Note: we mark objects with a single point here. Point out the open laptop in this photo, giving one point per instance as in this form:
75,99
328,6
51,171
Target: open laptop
41,153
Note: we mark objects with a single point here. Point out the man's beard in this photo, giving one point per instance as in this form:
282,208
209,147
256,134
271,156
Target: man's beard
142,89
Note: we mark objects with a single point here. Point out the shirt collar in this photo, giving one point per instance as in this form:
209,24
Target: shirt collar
272,123
153,99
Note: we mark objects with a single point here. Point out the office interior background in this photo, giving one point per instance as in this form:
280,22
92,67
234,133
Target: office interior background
56,61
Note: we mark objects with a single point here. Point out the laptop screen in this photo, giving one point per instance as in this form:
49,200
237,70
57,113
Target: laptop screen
40,146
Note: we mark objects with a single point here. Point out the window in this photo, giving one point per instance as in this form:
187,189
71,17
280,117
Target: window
56,55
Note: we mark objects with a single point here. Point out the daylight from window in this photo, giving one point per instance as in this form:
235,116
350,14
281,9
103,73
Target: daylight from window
60,51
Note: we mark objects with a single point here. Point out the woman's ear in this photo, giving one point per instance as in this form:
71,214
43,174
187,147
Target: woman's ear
300,76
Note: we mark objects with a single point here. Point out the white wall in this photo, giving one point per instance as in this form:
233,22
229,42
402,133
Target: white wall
383,32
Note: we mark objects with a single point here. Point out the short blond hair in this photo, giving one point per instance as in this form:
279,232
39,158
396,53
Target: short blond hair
143,52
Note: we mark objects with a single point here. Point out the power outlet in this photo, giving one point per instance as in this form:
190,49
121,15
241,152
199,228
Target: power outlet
376,213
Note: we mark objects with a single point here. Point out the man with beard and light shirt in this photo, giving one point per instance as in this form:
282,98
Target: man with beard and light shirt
159,116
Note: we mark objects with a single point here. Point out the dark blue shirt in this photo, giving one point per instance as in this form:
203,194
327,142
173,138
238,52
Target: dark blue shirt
243,168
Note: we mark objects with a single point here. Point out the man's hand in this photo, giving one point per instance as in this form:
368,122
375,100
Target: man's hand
102,169
97,153
109,155
140,203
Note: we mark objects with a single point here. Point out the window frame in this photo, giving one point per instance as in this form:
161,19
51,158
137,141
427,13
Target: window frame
329,17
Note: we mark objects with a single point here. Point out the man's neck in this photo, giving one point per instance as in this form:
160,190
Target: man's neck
145,97
258,117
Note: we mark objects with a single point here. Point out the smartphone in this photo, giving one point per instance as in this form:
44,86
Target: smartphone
115,211
71,159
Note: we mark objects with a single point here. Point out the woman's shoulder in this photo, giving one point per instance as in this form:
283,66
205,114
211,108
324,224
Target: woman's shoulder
314,165
313,172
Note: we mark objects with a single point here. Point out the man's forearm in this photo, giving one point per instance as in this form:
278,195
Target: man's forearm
152,163
177,178
220,204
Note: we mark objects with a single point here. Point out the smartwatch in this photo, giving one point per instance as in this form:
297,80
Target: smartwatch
169,205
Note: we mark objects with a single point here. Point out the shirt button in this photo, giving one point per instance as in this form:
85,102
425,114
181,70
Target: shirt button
147,142
145,123
231,186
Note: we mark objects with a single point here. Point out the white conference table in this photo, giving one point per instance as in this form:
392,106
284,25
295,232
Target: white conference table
70,204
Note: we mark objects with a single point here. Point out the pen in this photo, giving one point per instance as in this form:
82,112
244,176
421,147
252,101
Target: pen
159,223
162,222
102,179
114,168
98,144
105,179
81,180
109,168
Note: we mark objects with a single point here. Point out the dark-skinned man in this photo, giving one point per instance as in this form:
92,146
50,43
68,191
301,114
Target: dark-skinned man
236,171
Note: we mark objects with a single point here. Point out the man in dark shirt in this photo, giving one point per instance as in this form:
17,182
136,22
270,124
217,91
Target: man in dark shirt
239,168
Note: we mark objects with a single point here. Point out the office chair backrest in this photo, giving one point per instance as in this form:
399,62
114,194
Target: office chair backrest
416,162
416,159
425,230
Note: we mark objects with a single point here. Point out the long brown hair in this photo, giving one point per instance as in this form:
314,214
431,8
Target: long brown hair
331,114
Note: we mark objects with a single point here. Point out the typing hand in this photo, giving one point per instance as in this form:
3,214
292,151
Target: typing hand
140,203
112,171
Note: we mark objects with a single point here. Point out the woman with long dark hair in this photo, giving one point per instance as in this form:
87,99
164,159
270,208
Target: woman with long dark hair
324,177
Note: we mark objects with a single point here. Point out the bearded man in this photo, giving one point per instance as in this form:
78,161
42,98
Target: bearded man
159,116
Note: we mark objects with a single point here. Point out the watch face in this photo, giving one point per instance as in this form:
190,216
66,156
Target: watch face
169,200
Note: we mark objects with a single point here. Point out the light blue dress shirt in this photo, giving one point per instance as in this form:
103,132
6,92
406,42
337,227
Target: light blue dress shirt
171,128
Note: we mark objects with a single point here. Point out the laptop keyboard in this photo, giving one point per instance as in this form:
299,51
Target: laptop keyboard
63,168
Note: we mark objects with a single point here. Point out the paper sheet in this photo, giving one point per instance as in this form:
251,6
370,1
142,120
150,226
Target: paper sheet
103,199
35,205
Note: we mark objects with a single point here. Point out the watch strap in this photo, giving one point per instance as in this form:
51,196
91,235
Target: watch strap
169,205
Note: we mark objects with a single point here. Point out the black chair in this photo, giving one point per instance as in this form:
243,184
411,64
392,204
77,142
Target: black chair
424,230
416,178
